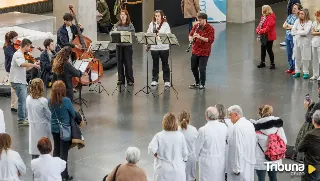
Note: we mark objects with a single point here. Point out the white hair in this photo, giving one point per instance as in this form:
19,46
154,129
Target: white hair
316,117
212,113
133,155
235,109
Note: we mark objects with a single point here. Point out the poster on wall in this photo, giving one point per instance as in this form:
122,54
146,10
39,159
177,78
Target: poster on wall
215,9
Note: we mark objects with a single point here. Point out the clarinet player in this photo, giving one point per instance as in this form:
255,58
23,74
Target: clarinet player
202,37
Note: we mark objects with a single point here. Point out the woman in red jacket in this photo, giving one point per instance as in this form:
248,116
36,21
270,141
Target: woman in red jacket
266,32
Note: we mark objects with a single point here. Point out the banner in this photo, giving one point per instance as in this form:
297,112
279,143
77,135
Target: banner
215,9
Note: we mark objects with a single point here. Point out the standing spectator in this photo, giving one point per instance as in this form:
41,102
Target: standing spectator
46,167
46,62
211,147
11,164
104,14
190,133
266,32
190,9
2,123
39,116
287,25
310,145
265,126
170,151
242,144
301,31
316,46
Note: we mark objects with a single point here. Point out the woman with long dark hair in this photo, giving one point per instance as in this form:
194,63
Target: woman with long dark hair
124,50
8,48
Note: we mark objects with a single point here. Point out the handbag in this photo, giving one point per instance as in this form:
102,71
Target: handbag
114,176
65,130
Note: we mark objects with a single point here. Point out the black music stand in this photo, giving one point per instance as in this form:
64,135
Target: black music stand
147,39
170,39
95,47
121,37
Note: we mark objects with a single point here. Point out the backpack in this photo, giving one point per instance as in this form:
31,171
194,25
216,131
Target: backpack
276,147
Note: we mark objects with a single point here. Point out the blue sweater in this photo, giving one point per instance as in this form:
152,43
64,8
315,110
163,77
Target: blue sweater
8,54
63,112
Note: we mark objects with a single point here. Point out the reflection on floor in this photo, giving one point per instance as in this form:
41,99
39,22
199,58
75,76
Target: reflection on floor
122,120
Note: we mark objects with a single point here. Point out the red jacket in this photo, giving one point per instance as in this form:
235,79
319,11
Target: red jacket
202,48
268,27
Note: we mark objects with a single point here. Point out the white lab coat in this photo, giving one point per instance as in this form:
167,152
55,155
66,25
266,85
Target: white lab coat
47,168
230,126
315,49
39,122
241,155
10,165
172,152
191,135
2,124
210,151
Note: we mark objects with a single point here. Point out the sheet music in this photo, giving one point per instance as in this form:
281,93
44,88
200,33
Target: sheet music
173,39
141,38
151,38
164,38
94,46
81,64
126,37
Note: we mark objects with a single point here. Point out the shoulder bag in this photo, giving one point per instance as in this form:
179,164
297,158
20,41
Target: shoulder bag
65,130
264,37
114,176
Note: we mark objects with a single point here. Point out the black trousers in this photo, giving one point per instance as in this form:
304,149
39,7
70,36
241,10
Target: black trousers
199,64
164,55
267,48
124,57
61,149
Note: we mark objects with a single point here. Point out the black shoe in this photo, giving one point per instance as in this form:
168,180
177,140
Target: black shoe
273,66
120,83
194,86
68,178
261,65
14,110
130,83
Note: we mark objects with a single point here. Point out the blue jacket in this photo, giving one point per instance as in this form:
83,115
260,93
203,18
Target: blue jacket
63,38
290,4
8,54
63,112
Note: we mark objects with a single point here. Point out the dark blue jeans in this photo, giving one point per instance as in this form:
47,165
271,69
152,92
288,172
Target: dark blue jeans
191,20
262,175
289,47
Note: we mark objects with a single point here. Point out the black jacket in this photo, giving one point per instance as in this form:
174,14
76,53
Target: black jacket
311,146
311,109
8,54
63,37
46,67
290,4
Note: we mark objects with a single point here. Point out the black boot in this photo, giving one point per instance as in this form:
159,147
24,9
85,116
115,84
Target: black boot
261,65
273,66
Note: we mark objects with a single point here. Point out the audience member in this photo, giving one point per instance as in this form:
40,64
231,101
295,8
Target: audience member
211,146
190,133
128,171
2,123
170,151
265,126
289,11
242,144
104,14
190,9
46,167
310,145
316,46
11,164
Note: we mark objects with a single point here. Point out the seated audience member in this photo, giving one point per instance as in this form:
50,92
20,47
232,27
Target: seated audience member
39,116
11,164
210,147
2,123
128,171
45,62
46,167
265,126
310,145
191,134
170,151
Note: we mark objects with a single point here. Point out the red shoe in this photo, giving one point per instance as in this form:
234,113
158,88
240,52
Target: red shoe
293,72
288,71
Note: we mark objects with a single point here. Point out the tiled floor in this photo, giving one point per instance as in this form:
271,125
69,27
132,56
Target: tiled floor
121,120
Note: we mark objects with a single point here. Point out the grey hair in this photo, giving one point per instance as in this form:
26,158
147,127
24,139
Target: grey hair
133,155
235,109
212,115
316,117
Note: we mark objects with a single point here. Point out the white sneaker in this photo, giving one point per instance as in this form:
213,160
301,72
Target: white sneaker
283,43
167,84
154,83
314,77
318,78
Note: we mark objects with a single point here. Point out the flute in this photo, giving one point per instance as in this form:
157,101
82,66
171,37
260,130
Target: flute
192,41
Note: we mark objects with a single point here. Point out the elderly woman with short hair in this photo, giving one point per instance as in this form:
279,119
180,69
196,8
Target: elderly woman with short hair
128,171
170,151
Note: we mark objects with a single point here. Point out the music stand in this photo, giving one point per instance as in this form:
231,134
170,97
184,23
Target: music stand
169,39
121,37
95,47
147,39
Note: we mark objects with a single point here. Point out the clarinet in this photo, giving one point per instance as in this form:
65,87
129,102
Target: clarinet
192,41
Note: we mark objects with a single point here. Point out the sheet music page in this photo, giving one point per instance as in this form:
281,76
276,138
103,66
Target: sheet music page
164,38
94,46
81,64
173,39
141,38
151,38
126,37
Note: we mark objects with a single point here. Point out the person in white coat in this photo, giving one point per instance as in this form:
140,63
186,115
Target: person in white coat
191,134
316,46
301,32
170,152
210,147
11,164
39,116
267,124
46,167
242,144
2,123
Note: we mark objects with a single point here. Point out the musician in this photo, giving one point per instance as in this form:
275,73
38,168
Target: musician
202,35
63,70
124,50
67,32
45,61
159,25
10,39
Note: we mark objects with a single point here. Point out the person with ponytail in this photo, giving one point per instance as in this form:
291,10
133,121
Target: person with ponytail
8,48
191,134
